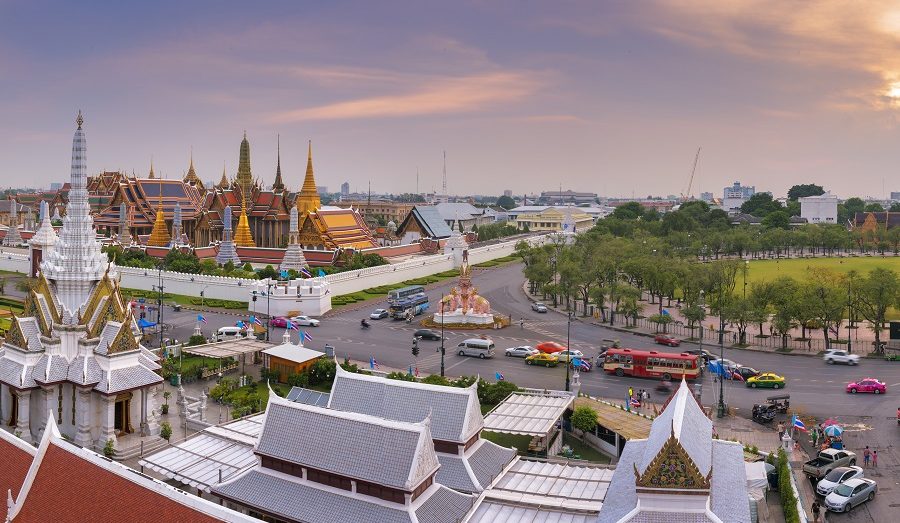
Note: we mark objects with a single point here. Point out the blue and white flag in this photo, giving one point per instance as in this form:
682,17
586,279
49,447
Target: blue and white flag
372,363
201,319
499,376
304,337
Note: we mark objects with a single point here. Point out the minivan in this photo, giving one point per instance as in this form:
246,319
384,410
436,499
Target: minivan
230,333
476,347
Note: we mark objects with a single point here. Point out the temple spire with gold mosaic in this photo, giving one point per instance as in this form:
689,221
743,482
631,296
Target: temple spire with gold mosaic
223,183
278,186
191,176
242,235
159,236
308,200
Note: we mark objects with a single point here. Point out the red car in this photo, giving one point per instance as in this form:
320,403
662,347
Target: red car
667,339
279,321
550,347
867,385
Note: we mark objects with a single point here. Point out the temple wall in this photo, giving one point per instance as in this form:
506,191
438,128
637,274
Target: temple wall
14,260
225,288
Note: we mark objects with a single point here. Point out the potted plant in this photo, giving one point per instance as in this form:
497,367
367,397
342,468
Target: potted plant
165,406
165,430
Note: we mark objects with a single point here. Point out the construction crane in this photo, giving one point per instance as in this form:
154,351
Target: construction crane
685,196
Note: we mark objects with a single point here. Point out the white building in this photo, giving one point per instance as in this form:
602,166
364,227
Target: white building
819,209
74,350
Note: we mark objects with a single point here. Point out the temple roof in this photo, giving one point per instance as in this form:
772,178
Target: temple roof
336,228
143,196
429,221
308,198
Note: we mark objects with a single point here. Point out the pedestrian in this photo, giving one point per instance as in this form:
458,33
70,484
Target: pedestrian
780,430
867,455
816,510
875,459
630,393
521,323
796,444
815,437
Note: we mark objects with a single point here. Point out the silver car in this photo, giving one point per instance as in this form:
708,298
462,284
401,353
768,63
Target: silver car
851,493
538,307
522,351
836,477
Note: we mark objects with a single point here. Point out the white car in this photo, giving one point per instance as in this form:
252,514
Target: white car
833,356
568,355
305,321
522,351
836,477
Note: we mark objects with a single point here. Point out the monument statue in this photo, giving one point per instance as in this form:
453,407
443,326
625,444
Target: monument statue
464,305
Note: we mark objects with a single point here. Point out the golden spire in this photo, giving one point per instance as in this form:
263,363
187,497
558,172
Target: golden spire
159,236
242,235
191,176
308,200
223,183
152,176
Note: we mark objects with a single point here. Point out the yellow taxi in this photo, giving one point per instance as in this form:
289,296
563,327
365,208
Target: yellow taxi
766,379
542,358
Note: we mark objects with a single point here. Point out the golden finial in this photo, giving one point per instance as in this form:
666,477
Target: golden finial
79,119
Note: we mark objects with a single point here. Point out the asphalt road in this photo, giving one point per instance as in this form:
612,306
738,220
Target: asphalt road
816,389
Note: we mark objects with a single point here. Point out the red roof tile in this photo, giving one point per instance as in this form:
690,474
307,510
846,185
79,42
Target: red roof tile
68,488
16,462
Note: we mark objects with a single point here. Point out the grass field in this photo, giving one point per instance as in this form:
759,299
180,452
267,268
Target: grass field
768,270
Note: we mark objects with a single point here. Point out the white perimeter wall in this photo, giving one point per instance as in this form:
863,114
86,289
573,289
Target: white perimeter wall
223,288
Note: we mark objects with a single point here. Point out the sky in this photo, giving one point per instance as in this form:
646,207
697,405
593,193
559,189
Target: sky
612,97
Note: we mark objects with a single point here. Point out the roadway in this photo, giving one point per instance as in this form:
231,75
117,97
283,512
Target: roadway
816,389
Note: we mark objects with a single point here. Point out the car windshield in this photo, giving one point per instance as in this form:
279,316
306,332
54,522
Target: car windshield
834,475
843,490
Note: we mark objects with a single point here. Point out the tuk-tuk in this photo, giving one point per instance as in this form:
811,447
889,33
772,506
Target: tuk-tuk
764,413
782,403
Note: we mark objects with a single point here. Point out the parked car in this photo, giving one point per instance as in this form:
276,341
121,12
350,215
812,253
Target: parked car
522,351
541,358
766,379
833,356
538,307
744,373
850,494
279,321
828,460
836,477
667,339
304,321
378,314
569,354
867,385
427,334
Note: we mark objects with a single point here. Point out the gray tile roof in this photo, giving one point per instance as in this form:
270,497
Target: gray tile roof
127,378
488,461
107,336
453,474
398,455
444,506
50,369
692,428
729,482
494,511
82,375
460,210
308,397
300,500
621,497
431,221
11,373
670,517
455,412
32,332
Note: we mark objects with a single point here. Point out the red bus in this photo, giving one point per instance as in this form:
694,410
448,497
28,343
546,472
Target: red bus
651,364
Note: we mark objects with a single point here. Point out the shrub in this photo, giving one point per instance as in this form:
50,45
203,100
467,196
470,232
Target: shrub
196,339
402,376
436,379
322,371
494,393
788,499
299,380
165,431
110,448
584,419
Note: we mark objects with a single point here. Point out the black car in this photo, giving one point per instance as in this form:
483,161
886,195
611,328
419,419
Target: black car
427,334
746,372
704,354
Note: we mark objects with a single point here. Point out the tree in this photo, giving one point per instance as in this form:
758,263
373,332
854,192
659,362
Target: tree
695,315
804,190
628,211
777,220
178,261
874,207
826,298
760,205
873,295
436,379
506,202
849,208
267,272
738,313
584,418
895,207
661,320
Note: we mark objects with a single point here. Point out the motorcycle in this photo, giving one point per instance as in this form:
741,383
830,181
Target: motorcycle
364,324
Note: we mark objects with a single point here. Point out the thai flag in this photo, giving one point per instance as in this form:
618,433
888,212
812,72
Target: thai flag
241,324
304,337
291,326
499,376
305,272
201,319
372,363
255,321
797,423
635,402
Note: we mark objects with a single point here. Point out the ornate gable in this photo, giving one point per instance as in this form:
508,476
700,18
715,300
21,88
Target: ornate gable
15,336
42,287
31,310
672,468
310,233
124,340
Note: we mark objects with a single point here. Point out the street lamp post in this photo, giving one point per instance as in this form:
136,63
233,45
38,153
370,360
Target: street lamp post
268,306
746,268
159,305
442,349
701,325
720,411
568,346
849,318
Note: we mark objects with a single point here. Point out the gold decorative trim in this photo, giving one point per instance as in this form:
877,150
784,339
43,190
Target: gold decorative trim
42,286
672,468
15,336
124,340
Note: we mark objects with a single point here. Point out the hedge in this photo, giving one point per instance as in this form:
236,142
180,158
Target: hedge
785,489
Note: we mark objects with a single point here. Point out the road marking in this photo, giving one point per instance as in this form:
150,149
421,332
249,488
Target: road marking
895,385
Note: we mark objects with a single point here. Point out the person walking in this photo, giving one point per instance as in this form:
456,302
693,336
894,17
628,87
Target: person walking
816,510
780,430
630,393
875,459
867,455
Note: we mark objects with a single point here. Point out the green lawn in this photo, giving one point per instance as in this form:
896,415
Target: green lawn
584,450
767,270
508,440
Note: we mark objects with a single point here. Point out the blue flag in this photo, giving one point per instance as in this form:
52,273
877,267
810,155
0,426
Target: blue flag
284,274
321,273
499,376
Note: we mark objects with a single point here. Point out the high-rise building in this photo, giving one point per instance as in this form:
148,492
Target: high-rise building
345,189
706,196
507,193
739,191
895,195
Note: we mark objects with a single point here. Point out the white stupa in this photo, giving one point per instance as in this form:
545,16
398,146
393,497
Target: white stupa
293,256
227,252
13,237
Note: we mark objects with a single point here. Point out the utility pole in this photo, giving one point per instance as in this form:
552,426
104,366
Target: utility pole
568,346
443,350
720,411
850,318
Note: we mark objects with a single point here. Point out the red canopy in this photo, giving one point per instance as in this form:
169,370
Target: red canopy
550,347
